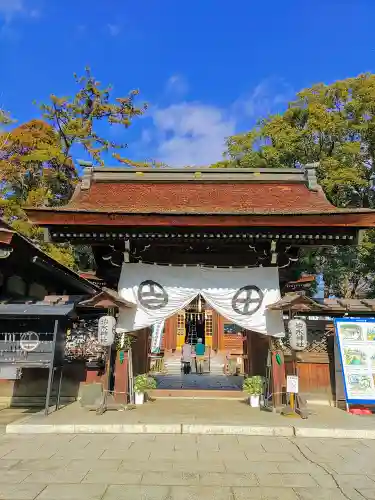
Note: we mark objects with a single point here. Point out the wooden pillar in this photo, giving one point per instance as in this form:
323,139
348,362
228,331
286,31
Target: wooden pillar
121,378
170,335
215,330
221,338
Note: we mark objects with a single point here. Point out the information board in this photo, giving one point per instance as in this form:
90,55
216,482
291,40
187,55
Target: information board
292,384
356,342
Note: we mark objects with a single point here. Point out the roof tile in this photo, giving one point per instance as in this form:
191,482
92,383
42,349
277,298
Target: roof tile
196,198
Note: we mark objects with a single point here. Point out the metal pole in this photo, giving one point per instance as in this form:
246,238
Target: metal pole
51,368
59,389
130,376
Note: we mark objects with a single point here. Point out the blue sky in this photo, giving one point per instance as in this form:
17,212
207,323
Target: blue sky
207,68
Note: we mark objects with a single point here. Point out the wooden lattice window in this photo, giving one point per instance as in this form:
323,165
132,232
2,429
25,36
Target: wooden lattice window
208,328
181,329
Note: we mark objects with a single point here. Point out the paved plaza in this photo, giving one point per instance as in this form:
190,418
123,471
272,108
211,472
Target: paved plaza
184,467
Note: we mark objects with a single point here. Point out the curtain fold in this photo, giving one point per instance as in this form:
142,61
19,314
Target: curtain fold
240,295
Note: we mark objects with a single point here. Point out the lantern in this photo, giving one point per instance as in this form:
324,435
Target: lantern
297,334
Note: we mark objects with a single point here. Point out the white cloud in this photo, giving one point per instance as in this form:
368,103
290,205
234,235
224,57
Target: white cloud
265,98
9,11
10,8
194,133
191,133
113,29
176,84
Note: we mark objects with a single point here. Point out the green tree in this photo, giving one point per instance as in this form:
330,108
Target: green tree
76,119
333,125
36,165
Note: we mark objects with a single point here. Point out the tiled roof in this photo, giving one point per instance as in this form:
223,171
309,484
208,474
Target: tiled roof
300,303
195,198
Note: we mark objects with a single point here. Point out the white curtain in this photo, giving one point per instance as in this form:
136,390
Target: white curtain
240,295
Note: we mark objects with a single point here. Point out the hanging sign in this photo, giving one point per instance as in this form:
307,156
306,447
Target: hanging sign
297,334
156,337
356,345
106,330
292,384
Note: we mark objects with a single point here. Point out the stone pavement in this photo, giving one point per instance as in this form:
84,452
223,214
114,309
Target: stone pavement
181,416
184,467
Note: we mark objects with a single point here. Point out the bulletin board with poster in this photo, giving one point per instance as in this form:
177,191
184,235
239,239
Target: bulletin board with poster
356,343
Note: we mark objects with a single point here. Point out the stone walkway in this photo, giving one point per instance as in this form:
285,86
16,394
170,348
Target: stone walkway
183,416
183,467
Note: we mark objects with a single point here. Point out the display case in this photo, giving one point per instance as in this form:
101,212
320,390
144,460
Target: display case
33,336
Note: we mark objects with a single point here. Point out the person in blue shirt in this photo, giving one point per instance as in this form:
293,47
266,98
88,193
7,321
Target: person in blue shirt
200,349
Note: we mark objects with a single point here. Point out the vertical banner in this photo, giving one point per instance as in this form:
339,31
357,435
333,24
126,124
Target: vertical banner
356,344
156,337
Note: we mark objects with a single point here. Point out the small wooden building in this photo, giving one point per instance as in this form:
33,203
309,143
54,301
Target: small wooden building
316,365
201,216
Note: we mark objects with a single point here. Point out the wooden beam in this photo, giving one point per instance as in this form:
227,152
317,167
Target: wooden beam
356,219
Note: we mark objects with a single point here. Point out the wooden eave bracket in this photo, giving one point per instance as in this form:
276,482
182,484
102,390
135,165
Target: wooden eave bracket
107,294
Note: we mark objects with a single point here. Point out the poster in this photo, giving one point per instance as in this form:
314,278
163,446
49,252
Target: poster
292,384
356,342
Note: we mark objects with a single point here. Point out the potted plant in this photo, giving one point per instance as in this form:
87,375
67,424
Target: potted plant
142,384
253,386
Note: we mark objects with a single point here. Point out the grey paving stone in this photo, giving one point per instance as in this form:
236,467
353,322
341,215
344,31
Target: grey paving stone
247,466
57,476
264,494
200,493
367,493
13,476
289,480
79,453
109,477
93,465
118,454
83,440
173,478
221,455
299,468
145,465
353,467
31,454
72,492
7,464
228,479
355,481
324,480
115,492
199,466
319,493
167,454
41,464
20,491
270,457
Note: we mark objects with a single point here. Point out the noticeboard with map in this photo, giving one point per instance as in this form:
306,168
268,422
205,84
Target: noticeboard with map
356,342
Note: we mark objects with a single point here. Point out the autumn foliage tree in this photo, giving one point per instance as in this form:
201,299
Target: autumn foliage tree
36,164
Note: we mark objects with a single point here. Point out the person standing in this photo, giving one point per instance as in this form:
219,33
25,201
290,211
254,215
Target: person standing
186,358
200,350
